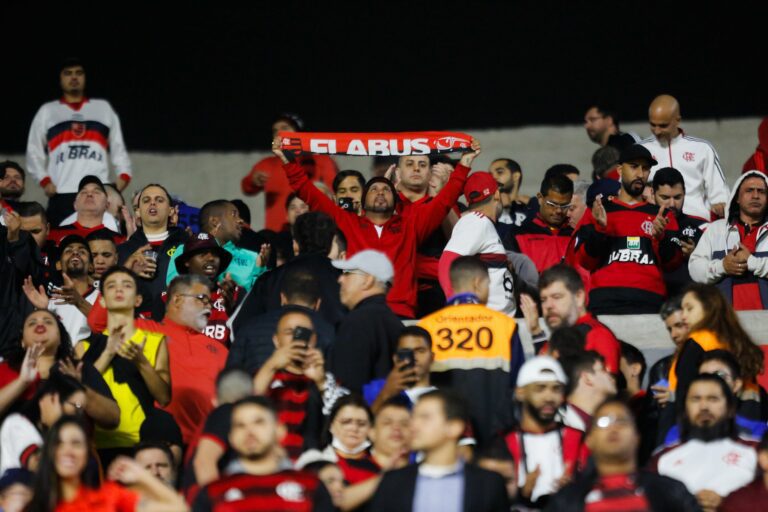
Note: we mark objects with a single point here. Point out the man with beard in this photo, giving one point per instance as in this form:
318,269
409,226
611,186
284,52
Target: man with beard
617,484
669,192
602,127
476,235
203,256
221,220
531,445
625,242
257,478
731,251
544,237
710,459
509,176
74,298
563,303
379,228
12,178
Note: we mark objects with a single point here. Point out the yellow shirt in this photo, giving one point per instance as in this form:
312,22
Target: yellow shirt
132,415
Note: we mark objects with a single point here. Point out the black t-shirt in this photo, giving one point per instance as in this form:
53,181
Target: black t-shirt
216,429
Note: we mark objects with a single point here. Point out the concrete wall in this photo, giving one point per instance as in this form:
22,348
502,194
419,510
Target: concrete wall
201,176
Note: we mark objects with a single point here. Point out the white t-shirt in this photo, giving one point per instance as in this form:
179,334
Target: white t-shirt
109,221
16,435
546,452
74,321
475,234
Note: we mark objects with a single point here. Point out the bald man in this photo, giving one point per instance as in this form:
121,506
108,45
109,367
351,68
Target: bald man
697,160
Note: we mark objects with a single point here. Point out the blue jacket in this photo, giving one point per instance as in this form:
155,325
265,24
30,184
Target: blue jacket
243,268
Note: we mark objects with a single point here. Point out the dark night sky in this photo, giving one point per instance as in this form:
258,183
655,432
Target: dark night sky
194,77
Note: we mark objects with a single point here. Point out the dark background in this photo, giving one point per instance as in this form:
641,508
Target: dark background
209,76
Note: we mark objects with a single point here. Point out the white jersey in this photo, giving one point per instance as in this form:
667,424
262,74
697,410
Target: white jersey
109,221
76,143
475,234
699,164
74,321
18,436
721,466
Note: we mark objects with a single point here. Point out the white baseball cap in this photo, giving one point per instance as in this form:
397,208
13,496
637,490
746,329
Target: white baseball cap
371,262
541,369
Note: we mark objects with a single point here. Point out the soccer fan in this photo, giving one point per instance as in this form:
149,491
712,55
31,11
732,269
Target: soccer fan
90,212
563,304
77,136
578,203
758,161
365,337
710,460
729,252
257,474
589,385
477,349
73,299
221,220
531,445
669,192
602,126
157,458
409,378
133,362
300,291
267,175
695,158
625,242
745,499
15,490
617,483
442,481
605,163
509,177
148,251
379,228
296,381
348,186
475,234
101,243
12,180
545,236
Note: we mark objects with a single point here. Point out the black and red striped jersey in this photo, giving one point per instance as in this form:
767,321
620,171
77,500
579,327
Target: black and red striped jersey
285,491
625,259
545,245
616,493
298,408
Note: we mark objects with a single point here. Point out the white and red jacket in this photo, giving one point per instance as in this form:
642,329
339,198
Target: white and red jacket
76,139
698,162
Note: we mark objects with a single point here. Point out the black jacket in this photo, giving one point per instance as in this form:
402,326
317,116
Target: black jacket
265,295
483,491
253,343
14,305
664,494
151,289
365,342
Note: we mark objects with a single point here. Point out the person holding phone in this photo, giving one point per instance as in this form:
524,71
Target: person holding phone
294,377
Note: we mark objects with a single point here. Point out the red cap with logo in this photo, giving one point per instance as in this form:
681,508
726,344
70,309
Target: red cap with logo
479,186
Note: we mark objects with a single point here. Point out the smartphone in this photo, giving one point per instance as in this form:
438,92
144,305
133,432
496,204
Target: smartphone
406,354
661,383
302,334
347,203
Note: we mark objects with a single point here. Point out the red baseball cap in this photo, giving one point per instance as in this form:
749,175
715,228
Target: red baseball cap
479,186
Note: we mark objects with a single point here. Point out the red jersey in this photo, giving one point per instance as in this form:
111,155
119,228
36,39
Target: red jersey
57,234
398,238
110,497
545,245
276,190
600,339
625,259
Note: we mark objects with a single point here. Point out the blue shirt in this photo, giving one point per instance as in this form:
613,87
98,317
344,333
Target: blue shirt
242,269
439,491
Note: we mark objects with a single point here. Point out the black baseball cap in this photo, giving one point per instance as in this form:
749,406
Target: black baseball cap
90,179
16,476
71,239
636,152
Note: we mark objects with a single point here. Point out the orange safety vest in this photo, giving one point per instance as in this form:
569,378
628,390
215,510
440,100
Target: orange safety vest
707,340
470,336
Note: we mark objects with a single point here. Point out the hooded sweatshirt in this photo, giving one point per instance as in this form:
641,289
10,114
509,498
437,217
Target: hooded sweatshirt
750,290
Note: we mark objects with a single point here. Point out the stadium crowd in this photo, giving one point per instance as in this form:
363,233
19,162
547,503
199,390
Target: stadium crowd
363,352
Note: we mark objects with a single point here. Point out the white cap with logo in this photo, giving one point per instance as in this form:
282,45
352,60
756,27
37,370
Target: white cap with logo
371,262
541,369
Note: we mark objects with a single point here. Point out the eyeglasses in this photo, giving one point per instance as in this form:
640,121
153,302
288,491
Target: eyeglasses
563,207
204,299
607,421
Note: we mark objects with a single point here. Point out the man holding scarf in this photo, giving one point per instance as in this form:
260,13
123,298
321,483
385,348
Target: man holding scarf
380,228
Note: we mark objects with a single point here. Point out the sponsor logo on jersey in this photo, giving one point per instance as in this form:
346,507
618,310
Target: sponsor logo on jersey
631,256
688,156
633,242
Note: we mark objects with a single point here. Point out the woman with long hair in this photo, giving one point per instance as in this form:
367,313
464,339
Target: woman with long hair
44,347
64,483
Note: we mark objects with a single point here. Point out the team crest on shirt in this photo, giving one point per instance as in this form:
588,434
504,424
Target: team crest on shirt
688,156
78,129
290,491
689,231
233,494
647,227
